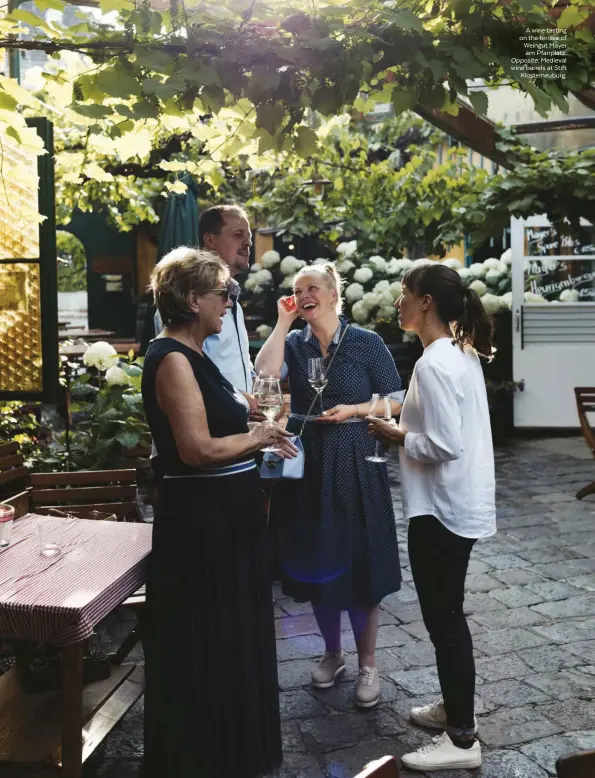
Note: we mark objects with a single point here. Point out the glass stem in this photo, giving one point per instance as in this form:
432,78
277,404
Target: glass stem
321,405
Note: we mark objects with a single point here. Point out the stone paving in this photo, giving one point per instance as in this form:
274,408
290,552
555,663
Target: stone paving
531,608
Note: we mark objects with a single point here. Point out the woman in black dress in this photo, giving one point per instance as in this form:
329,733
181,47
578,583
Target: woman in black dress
211,701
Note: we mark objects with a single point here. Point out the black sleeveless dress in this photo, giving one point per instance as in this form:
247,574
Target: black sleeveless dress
211,699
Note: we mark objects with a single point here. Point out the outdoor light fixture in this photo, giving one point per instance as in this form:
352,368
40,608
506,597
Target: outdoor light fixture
317,185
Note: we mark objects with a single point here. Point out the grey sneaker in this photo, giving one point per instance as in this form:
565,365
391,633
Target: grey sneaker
367,687
327,670
432,716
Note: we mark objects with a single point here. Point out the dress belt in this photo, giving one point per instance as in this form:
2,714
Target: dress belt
218,472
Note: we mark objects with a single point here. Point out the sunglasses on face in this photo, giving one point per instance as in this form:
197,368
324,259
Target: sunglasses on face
231,289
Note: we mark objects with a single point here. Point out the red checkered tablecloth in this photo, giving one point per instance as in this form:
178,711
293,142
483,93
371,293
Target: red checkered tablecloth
59,600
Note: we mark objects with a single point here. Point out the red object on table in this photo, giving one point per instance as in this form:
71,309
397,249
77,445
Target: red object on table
59,600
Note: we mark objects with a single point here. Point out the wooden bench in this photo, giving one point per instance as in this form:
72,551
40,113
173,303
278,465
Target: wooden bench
386,767
581,765
585,404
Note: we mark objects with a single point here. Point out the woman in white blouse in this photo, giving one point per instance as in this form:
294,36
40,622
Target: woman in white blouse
448,491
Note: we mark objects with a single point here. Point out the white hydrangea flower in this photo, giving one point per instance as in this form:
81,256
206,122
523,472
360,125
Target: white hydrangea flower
249,284
386,312
258,290
370,300
453,263
100,355
569,296
115,376
264,331
354,292
359,312
381,286
270,258
477,270
506,300
506,257
256,267
363,275
530,297
393,268
387,299
291,264
409,337
320,261
491,303
378,262
479,287
286,283
264,278
491,264
493,276
464,272
344,265
347,249
422,261
396,289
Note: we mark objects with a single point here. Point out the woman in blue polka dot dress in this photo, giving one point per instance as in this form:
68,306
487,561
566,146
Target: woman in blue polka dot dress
337,536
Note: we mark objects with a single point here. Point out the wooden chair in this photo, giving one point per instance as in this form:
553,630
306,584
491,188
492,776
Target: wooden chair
585,403
83,494
581,765
14,478
381,768
80,493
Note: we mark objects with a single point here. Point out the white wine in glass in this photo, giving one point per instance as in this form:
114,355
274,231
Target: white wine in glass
270,401
380,401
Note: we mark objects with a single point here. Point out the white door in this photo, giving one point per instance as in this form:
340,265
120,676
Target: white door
553,308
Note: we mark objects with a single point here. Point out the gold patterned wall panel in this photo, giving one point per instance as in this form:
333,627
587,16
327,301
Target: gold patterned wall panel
19,185
20,328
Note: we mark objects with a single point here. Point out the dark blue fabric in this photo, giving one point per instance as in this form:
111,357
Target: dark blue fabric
337,536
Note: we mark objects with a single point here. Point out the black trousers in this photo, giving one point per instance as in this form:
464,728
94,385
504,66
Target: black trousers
439,561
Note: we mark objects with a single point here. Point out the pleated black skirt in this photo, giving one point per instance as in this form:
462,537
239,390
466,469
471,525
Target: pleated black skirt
211,699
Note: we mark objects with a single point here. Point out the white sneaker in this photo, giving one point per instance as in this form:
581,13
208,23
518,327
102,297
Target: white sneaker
432,716
442,754
367,687
327,670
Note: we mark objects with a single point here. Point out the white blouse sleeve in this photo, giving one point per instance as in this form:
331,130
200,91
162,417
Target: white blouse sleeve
441,439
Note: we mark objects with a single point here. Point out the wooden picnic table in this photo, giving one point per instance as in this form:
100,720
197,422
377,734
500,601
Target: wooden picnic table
58,601
91,335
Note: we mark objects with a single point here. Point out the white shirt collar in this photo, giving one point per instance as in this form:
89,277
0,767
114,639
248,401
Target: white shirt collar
336,336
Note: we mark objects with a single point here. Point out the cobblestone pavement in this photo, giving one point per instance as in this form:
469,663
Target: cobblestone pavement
531,608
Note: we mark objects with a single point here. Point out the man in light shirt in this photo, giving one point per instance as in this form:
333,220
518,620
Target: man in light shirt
225,230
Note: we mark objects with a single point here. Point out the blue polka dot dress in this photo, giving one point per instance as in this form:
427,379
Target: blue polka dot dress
337,537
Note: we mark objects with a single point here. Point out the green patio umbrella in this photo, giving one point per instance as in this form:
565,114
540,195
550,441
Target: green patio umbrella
179,227
180,221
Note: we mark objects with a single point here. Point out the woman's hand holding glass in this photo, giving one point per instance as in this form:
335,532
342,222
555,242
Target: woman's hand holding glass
339,413
273,437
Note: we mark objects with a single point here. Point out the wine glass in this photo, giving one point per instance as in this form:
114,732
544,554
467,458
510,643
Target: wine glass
378,402
317,377
267,390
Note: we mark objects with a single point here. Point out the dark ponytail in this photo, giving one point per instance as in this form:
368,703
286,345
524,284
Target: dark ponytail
475,326
456,305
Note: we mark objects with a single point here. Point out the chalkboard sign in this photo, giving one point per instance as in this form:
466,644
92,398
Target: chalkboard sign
558,279
545,241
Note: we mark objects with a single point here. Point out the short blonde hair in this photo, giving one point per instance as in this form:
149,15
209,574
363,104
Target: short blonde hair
182,271
331,277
